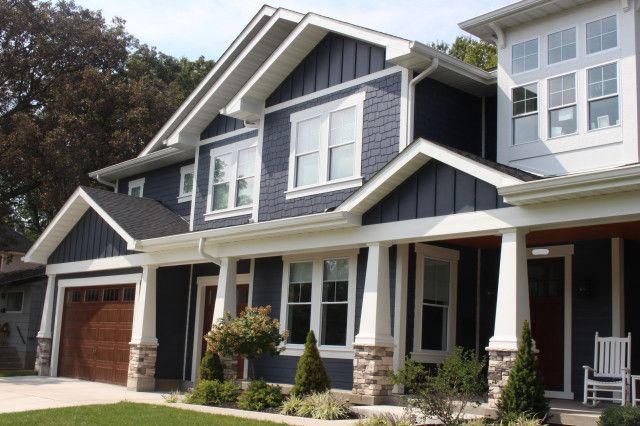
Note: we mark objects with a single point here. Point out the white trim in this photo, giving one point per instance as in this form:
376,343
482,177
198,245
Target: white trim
192,208
399,311
617,287
256,200
137,165
404,109
135,184
46,320
82,282
424,251
226,136
334,185
221,214
184,170
566,252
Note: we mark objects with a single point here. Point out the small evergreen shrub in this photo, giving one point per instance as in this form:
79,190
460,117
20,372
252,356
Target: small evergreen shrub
524,391
260,396
620,416
311,376
214,393
211,367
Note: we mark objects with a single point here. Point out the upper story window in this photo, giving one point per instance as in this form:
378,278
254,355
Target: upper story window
603,96
524,56
186,183
525,114
326,147
602,34
232,176
14,301
136,187
562,105
562,46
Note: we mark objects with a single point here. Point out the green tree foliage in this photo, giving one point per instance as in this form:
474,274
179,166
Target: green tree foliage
211,367
524,392
76,94
311,376
475,52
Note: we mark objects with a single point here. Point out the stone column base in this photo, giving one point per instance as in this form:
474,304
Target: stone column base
371,368
43,356
230,367
501,361
142,367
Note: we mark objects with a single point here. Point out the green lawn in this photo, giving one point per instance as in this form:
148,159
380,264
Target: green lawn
13,373
122,413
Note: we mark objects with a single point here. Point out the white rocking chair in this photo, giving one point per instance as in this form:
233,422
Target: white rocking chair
611,370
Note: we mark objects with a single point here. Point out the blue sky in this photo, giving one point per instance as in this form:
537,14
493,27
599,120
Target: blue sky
206,27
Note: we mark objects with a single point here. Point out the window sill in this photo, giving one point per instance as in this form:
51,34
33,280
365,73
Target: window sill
334,185
429,357
184,198
222,214
325,351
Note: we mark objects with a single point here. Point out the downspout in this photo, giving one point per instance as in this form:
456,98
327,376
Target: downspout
204,254
412,89
104,182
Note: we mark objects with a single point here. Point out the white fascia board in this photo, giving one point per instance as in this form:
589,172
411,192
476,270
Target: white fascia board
219,64
130,166
394,47
621,179
408,162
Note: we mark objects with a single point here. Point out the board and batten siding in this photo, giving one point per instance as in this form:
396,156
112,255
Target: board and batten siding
220,125
90,238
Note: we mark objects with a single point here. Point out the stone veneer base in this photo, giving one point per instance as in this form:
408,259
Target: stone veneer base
142,367
371,366
501,361
43,356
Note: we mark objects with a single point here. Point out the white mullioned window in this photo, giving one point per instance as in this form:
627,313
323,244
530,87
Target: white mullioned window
186,183
136,187
524,56
562,105
326,147
435,304
602,89
602,34
525,113
318,293
561,45
232,175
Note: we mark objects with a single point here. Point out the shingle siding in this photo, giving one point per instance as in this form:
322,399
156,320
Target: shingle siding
220,125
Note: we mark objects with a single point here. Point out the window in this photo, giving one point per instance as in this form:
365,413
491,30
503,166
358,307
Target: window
136,187
562,46
319,295
602,34
562,106
186,183
524,56
92,295
436,286
110,295
326,145
14,301
75,296
232,178
129,294
525,114
603,96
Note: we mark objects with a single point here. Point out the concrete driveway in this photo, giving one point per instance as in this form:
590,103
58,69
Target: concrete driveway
36,393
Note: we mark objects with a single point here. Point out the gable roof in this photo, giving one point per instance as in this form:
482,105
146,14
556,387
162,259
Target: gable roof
22,275
133,218
12,240
412,158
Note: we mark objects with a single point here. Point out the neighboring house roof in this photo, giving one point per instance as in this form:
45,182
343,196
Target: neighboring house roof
21,276
12,240
133,218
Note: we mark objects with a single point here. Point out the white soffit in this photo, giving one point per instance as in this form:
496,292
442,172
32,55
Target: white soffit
136,165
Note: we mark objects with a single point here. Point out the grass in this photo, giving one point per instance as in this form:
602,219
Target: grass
123,413
13,373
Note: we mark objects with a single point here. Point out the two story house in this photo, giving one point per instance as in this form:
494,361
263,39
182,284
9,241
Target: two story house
389,197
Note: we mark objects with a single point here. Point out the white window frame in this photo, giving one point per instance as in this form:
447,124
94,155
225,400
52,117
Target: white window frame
595,19
537,54
514,116
231,209
327,351
562,61
135,184
324,112
568,105
589,100
446,255
184,170
7,302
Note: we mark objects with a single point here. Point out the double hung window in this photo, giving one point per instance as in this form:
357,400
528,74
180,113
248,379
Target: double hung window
603,96
525,114
562,105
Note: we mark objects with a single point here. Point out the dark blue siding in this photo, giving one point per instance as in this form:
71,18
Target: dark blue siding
162,185
90,238
490,129
381,137
436,189
171,306
221,125
336,59
202,186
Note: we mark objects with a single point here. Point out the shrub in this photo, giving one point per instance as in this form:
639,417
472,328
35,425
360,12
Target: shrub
620,416
291,406
213,392
259,396
524,391
250,335
173,397
412,376
321,406
311,376
386,419
211,367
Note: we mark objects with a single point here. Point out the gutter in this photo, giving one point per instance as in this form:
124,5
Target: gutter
104,182
204,254
412,92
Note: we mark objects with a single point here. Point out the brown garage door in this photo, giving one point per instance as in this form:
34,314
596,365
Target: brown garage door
96,330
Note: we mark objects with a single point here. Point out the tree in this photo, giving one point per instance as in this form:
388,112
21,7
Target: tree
250,335
76,94
475,52
524,392
311,376
211,367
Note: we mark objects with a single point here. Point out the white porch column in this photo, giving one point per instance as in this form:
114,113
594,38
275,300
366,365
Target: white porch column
226,292
43,353
400,310
512,309
373,346
144,344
